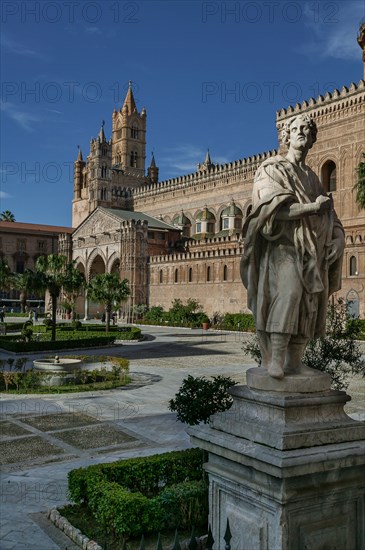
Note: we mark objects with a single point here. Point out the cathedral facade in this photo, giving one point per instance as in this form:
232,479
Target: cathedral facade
181,238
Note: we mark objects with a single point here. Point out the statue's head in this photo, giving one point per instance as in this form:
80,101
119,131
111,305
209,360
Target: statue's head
298,120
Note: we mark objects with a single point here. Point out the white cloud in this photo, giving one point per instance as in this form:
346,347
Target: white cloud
24,119
4,195
92,30
334,27
17,48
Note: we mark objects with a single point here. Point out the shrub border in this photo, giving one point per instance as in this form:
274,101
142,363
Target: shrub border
138,485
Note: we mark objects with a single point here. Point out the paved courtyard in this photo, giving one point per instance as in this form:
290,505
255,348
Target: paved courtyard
44,437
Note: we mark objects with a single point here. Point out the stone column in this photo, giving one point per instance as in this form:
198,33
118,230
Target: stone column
86,317
286,466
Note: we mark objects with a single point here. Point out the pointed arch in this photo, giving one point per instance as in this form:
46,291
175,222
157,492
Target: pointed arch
329,175
96,263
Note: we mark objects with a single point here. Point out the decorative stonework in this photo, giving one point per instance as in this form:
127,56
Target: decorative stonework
286,470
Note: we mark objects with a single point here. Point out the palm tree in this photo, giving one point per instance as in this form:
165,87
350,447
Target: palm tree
5,276
73,284
7,216
50,274
23,282
108,290
359,186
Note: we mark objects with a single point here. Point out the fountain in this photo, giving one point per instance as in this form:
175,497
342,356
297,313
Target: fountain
61,370
57,364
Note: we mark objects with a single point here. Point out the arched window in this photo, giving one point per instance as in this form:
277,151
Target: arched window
161,276
133,159
353,265
208,273
176,275
190,274
329,176
225,273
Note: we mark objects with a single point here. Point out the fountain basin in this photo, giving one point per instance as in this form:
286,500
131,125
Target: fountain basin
57,364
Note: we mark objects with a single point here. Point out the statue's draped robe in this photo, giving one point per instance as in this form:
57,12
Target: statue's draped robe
284,265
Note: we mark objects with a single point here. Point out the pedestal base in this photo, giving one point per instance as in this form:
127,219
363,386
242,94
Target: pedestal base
306,381
287,471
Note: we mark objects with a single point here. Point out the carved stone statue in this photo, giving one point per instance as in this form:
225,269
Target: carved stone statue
293,252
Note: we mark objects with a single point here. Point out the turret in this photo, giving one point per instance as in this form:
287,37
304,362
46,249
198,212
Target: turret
207,164
152,172
79,165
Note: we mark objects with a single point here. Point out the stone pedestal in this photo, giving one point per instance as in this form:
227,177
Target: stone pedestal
286,469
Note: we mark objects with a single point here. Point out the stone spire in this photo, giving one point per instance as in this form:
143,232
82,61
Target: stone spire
153,170
101,135
79,156
207,164
129,100
208,160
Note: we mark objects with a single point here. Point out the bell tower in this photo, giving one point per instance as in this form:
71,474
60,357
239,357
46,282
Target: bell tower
129,137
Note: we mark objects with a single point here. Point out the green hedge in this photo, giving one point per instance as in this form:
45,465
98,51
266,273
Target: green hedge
13,327
143,474
23,315
126,513
69,341
238,321
144,494
122,333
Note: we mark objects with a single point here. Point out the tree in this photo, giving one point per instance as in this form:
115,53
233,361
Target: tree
359,186
50,274
7,216
73,284
108,290
5,276
23,282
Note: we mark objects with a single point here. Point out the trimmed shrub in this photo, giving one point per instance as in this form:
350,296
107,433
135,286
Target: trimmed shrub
184,505
145,494
238,321
119,510
13,327
147,475
70,340
199,398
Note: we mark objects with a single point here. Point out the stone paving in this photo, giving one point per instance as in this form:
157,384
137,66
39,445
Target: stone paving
43,437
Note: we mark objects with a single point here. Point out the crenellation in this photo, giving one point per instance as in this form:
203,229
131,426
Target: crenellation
328,98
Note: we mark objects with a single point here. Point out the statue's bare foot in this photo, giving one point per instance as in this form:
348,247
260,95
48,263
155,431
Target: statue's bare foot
276,371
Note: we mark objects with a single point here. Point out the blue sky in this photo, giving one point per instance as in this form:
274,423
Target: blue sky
210,74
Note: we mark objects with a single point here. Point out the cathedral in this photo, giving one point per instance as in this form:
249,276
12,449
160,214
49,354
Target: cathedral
181,238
